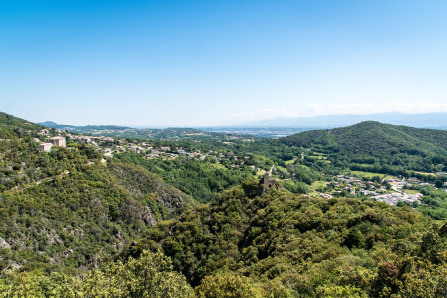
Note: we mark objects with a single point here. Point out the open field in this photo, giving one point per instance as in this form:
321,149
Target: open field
367,174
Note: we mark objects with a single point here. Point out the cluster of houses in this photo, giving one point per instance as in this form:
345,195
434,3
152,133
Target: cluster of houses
394,198
110,146
90,139
350,184
60,140
369,188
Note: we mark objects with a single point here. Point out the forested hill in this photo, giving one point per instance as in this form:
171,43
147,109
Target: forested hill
12,127
374,138
278,244
69,208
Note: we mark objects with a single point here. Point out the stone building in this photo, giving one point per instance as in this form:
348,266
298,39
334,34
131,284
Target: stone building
45,147
58,141
268,183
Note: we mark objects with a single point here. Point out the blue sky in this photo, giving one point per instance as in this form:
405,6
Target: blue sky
198,63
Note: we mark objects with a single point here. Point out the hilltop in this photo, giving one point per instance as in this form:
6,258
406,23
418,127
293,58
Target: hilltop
374,138
13,127
422,120
377,147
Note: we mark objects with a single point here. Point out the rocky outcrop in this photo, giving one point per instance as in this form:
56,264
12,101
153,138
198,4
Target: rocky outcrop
4,244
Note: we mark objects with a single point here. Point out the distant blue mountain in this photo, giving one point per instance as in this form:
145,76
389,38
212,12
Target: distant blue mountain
427,120
52,124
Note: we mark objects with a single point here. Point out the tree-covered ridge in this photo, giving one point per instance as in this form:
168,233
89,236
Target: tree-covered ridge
289,244
69,208
271,245
79,218
376,147
13,127
67,211
374,138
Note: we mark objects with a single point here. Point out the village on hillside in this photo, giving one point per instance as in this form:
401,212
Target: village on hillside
110,146
391,190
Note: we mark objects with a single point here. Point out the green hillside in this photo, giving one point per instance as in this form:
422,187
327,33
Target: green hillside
13,127
284,245
373,146
374,138
74,224
70,208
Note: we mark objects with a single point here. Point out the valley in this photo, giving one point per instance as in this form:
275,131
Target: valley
312,214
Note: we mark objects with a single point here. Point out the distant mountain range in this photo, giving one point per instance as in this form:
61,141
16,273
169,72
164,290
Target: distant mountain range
52,124
427,120
153,133
271,128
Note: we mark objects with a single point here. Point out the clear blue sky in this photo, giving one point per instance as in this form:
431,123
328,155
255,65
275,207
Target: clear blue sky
194,63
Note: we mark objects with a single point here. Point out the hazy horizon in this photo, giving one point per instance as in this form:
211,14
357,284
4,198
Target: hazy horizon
197,63
431,120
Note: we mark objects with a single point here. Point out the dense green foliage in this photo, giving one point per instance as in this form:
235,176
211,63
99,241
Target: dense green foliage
13,127
376,147
200,179
295,245
77,219
149,276
69,209
73,224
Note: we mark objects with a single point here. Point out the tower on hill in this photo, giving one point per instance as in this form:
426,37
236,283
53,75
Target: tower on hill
268,183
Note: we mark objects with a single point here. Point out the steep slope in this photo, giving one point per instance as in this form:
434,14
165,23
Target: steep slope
70,208
289,244
13,127
79,218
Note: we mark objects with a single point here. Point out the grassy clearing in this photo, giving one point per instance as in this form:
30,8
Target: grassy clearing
424,173
367,174
318,184
219,166
320,157
288,162
281,168
410,191
314,194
